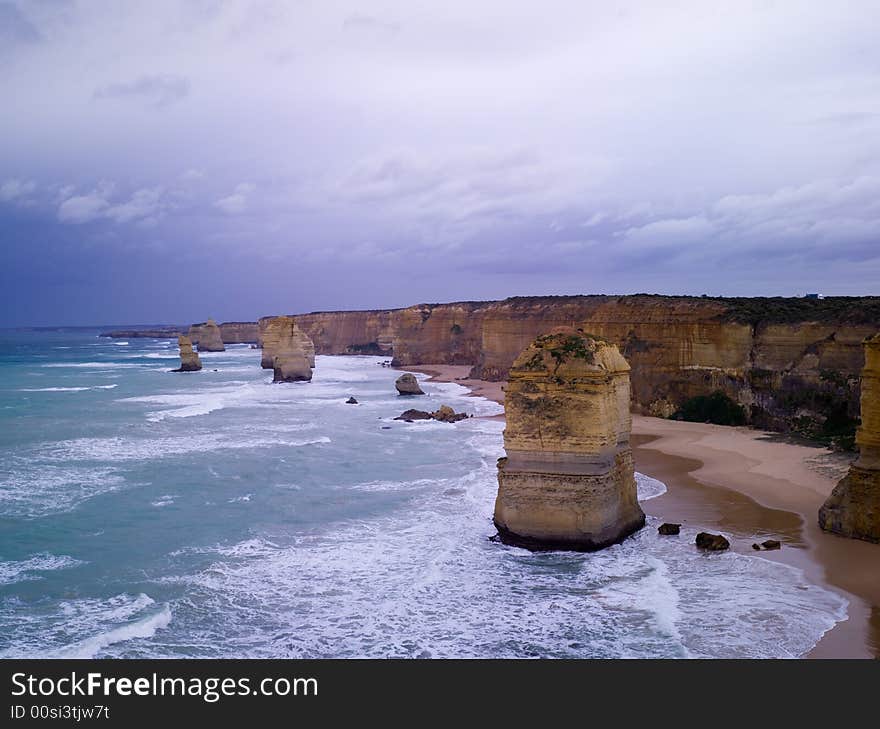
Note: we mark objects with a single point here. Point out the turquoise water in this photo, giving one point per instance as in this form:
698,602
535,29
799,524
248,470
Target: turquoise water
215,514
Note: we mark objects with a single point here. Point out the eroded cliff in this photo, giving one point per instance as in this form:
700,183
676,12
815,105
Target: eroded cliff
793,364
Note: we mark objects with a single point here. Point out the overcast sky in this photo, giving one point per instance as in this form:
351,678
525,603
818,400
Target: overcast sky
167,161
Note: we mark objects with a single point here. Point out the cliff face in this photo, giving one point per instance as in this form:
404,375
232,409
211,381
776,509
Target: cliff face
792,363
567,481
231,332
342,332
853,509
239,332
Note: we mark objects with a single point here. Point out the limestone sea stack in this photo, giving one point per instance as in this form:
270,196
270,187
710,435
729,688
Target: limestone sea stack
567,481
853,508
292,367
189,360
407,384
207,336
282,336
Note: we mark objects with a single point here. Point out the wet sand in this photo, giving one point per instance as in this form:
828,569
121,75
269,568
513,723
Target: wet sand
751,486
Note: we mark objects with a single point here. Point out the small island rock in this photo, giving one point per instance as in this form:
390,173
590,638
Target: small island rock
407,384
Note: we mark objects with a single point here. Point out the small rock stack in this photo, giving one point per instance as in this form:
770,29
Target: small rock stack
189,360
207,336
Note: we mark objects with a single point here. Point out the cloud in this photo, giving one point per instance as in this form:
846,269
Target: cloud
16,189
237,202
15,27
157,91
192,175
145,205
359,22
82,208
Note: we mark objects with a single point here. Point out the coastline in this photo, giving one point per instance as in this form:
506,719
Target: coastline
752,486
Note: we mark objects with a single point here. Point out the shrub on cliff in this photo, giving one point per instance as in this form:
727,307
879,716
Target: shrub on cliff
716,408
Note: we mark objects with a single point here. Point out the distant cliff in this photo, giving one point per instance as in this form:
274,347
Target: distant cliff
793,364
232,332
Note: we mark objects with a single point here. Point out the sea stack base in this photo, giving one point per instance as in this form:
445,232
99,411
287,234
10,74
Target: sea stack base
567,511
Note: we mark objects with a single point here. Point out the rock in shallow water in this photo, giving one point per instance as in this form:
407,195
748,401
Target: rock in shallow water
712,542
189,360
292,368
407,384
567,481
669,530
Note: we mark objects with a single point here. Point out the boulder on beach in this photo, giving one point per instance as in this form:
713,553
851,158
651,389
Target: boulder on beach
351,401
292,368
189,360
407,384
712,542
669,530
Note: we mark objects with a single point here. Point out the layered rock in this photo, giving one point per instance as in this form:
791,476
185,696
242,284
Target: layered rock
793,364
292,367
189,360
407,384
853,508
567,481
207,336
282,336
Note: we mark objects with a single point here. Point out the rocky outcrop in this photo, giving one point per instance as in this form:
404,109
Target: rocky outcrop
412,414
189,360
292,367
407,384
207,336
793,364
567,481
712,542
282,336
446,414
853,508
443,414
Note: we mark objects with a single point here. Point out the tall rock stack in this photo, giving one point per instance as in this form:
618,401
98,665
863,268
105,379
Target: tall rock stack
567,481
853,508
189,360
289,349
282,335
207,336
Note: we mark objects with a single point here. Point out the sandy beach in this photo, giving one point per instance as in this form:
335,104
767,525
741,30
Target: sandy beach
751,486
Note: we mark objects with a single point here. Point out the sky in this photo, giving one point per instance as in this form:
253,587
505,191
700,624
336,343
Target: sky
170,161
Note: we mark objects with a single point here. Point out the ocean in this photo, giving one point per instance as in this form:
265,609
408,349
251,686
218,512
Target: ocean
148,514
